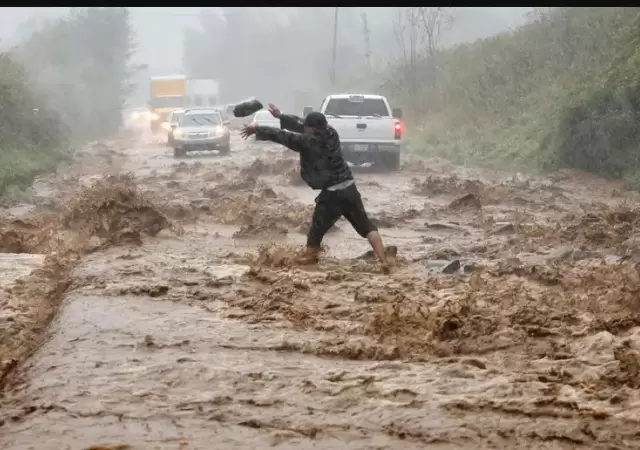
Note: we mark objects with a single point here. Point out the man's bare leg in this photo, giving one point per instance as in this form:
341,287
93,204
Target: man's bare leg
375,240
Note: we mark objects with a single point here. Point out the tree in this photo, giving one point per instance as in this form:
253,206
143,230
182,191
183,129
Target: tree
410,37
277,54
32,138
80,65
418,32
435,22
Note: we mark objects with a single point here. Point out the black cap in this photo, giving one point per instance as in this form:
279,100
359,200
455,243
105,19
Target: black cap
316,120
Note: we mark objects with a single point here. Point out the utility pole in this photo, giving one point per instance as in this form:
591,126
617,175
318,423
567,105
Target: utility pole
367,40
335,44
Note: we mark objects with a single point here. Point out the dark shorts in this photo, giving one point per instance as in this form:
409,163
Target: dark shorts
330,206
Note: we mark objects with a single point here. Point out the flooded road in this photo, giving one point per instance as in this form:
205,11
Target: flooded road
510,320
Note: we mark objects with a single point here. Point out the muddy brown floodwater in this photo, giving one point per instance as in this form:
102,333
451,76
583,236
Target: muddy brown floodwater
511,320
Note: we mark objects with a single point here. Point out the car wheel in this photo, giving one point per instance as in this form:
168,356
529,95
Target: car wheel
179,153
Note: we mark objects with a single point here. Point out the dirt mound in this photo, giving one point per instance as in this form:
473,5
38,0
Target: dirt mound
28,307
114,210
264,228
487,194
608,226
605,227
435,185
248,203
404,324
467,201
278,166
389,220
272,255
30,234
184,168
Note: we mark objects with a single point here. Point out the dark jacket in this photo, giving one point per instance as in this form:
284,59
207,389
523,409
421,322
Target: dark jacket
321,161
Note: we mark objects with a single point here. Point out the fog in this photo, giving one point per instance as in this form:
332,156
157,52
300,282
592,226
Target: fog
281,53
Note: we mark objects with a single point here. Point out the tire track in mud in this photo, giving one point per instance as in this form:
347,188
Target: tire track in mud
206,336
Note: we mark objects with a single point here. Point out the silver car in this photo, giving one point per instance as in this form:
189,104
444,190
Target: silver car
201,129
173,118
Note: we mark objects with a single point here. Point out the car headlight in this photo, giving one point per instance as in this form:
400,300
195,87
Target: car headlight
178,133
154,116
219,131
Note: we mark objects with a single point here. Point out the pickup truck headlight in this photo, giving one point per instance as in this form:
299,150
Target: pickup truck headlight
178,133
219,131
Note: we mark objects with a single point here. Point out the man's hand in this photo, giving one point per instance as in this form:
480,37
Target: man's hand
248,131
274,110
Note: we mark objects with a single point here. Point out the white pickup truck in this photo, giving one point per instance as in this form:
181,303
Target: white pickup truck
370,131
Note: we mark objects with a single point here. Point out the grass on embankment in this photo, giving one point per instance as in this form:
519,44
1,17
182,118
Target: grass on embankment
31,137
20,166
561,91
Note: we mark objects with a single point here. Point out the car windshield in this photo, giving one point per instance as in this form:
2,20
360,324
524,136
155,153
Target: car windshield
200,120
366,107
263,116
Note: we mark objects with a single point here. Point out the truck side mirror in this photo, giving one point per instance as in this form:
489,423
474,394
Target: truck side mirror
397,113
307,110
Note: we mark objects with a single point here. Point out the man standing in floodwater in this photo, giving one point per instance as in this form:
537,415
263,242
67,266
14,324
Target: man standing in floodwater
322,167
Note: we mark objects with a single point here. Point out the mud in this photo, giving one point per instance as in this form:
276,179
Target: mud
511,320
108,212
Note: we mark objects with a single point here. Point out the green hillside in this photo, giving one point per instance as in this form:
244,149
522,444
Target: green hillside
561,91
31,136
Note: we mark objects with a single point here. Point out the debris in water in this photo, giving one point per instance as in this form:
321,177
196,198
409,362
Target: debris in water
466,201
114,209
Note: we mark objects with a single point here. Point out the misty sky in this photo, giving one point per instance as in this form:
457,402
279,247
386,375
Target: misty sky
159,29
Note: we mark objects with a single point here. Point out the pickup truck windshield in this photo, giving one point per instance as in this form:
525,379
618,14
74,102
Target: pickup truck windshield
367,107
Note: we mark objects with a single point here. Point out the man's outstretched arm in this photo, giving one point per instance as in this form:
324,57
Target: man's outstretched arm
293,141
287,121
291,123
